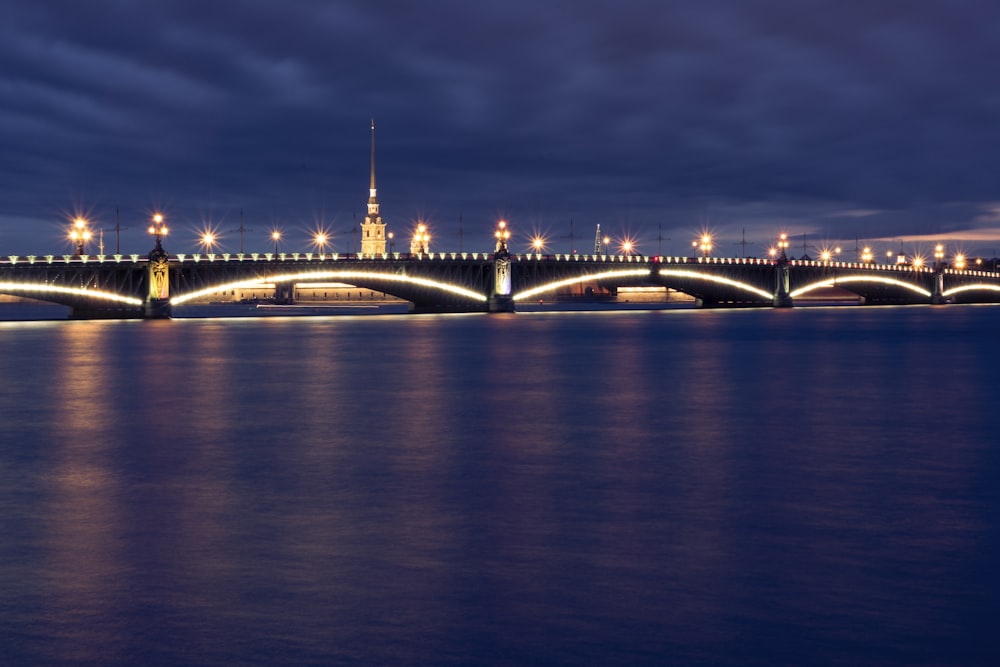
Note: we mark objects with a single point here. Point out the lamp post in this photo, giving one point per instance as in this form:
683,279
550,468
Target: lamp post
79,234
938,255
392,241
783,245
705,245
420,244
502,235
158,230
866,255
207,241
320,240
276,236
538,244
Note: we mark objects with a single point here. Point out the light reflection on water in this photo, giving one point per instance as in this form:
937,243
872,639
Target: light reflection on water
755,487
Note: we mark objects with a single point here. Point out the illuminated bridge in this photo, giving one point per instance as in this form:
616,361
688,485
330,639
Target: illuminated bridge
147,286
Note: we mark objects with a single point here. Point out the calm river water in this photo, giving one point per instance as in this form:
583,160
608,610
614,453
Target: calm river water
749,487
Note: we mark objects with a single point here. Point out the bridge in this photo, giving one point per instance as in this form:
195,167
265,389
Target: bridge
131,286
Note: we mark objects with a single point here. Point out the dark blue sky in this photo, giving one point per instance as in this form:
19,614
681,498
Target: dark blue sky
838,120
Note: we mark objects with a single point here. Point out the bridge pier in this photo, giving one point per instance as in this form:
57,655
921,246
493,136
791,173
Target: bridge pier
284,293
782,296
501,300
937,293
157,303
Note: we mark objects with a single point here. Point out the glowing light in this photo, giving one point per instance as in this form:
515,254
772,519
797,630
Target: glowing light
960,262
858,279
79,234
969,288
538,244
704,244
158,228
677,273
866,255
346,275
208,241
918,262
548,287
41,288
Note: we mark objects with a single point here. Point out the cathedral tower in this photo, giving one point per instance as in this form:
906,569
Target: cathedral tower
372,229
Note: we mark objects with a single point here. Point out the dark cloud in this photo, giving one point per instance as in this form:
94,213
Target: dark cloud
831,119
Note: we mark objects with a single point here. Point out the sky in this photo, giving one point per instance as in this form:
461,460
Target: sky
840,123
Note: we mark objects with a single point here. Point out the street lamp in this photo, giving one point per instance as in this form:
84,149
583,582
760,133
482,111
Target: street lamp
158,229
938,254
866,255
320,240
420,244
704,244
607,242
960,262
207,241
538,244
276,236
392,241
626,247
783,244
502,235
79,234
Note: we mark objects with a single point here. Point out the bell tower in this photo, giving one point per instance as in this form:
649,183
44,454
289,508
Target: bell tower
372,229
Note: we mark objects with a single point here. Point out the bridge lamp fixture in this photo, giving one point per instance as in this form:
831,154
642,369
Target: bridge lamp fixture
275,236
825,255
607,242
158,229
392,241
79,234
938,253
866,255
207,241
960,262
704,244
918,262
320,239
538,245
627,247
502,235
421,239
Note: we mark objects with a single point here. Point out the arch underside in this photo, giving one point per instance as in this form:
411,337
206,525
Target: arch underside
733,288
426,292
872,289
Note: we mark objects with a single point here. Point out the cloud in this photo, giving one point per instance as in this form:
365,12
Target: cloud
835,119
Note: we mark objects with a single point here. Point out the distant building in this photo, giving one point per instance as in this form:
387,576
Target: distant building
372,229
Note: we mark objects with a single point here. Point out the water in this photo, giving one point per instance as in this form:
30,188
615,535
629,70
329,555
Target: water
808,486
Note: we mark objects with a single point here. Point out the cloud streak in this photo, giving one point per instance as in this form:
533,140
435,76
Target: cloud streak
649,116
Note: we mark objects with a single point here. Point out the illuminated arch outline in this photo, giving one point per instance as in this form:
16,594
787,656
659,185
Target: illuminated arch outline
548,287
717,279
312,275
969,288
42,288
833,282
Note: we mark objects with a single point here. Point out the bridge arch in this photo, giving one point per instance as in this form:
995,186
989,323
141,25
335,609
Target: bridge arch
716,280
66,296
970,288
842,280
576,280
374,279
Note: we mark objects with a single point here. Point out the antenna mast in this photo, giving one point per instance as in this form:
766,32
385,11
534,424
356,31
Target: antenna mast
597,240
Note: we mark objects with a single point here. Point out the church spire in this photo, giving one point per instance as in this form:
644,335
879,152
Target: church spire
372,229
372,186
